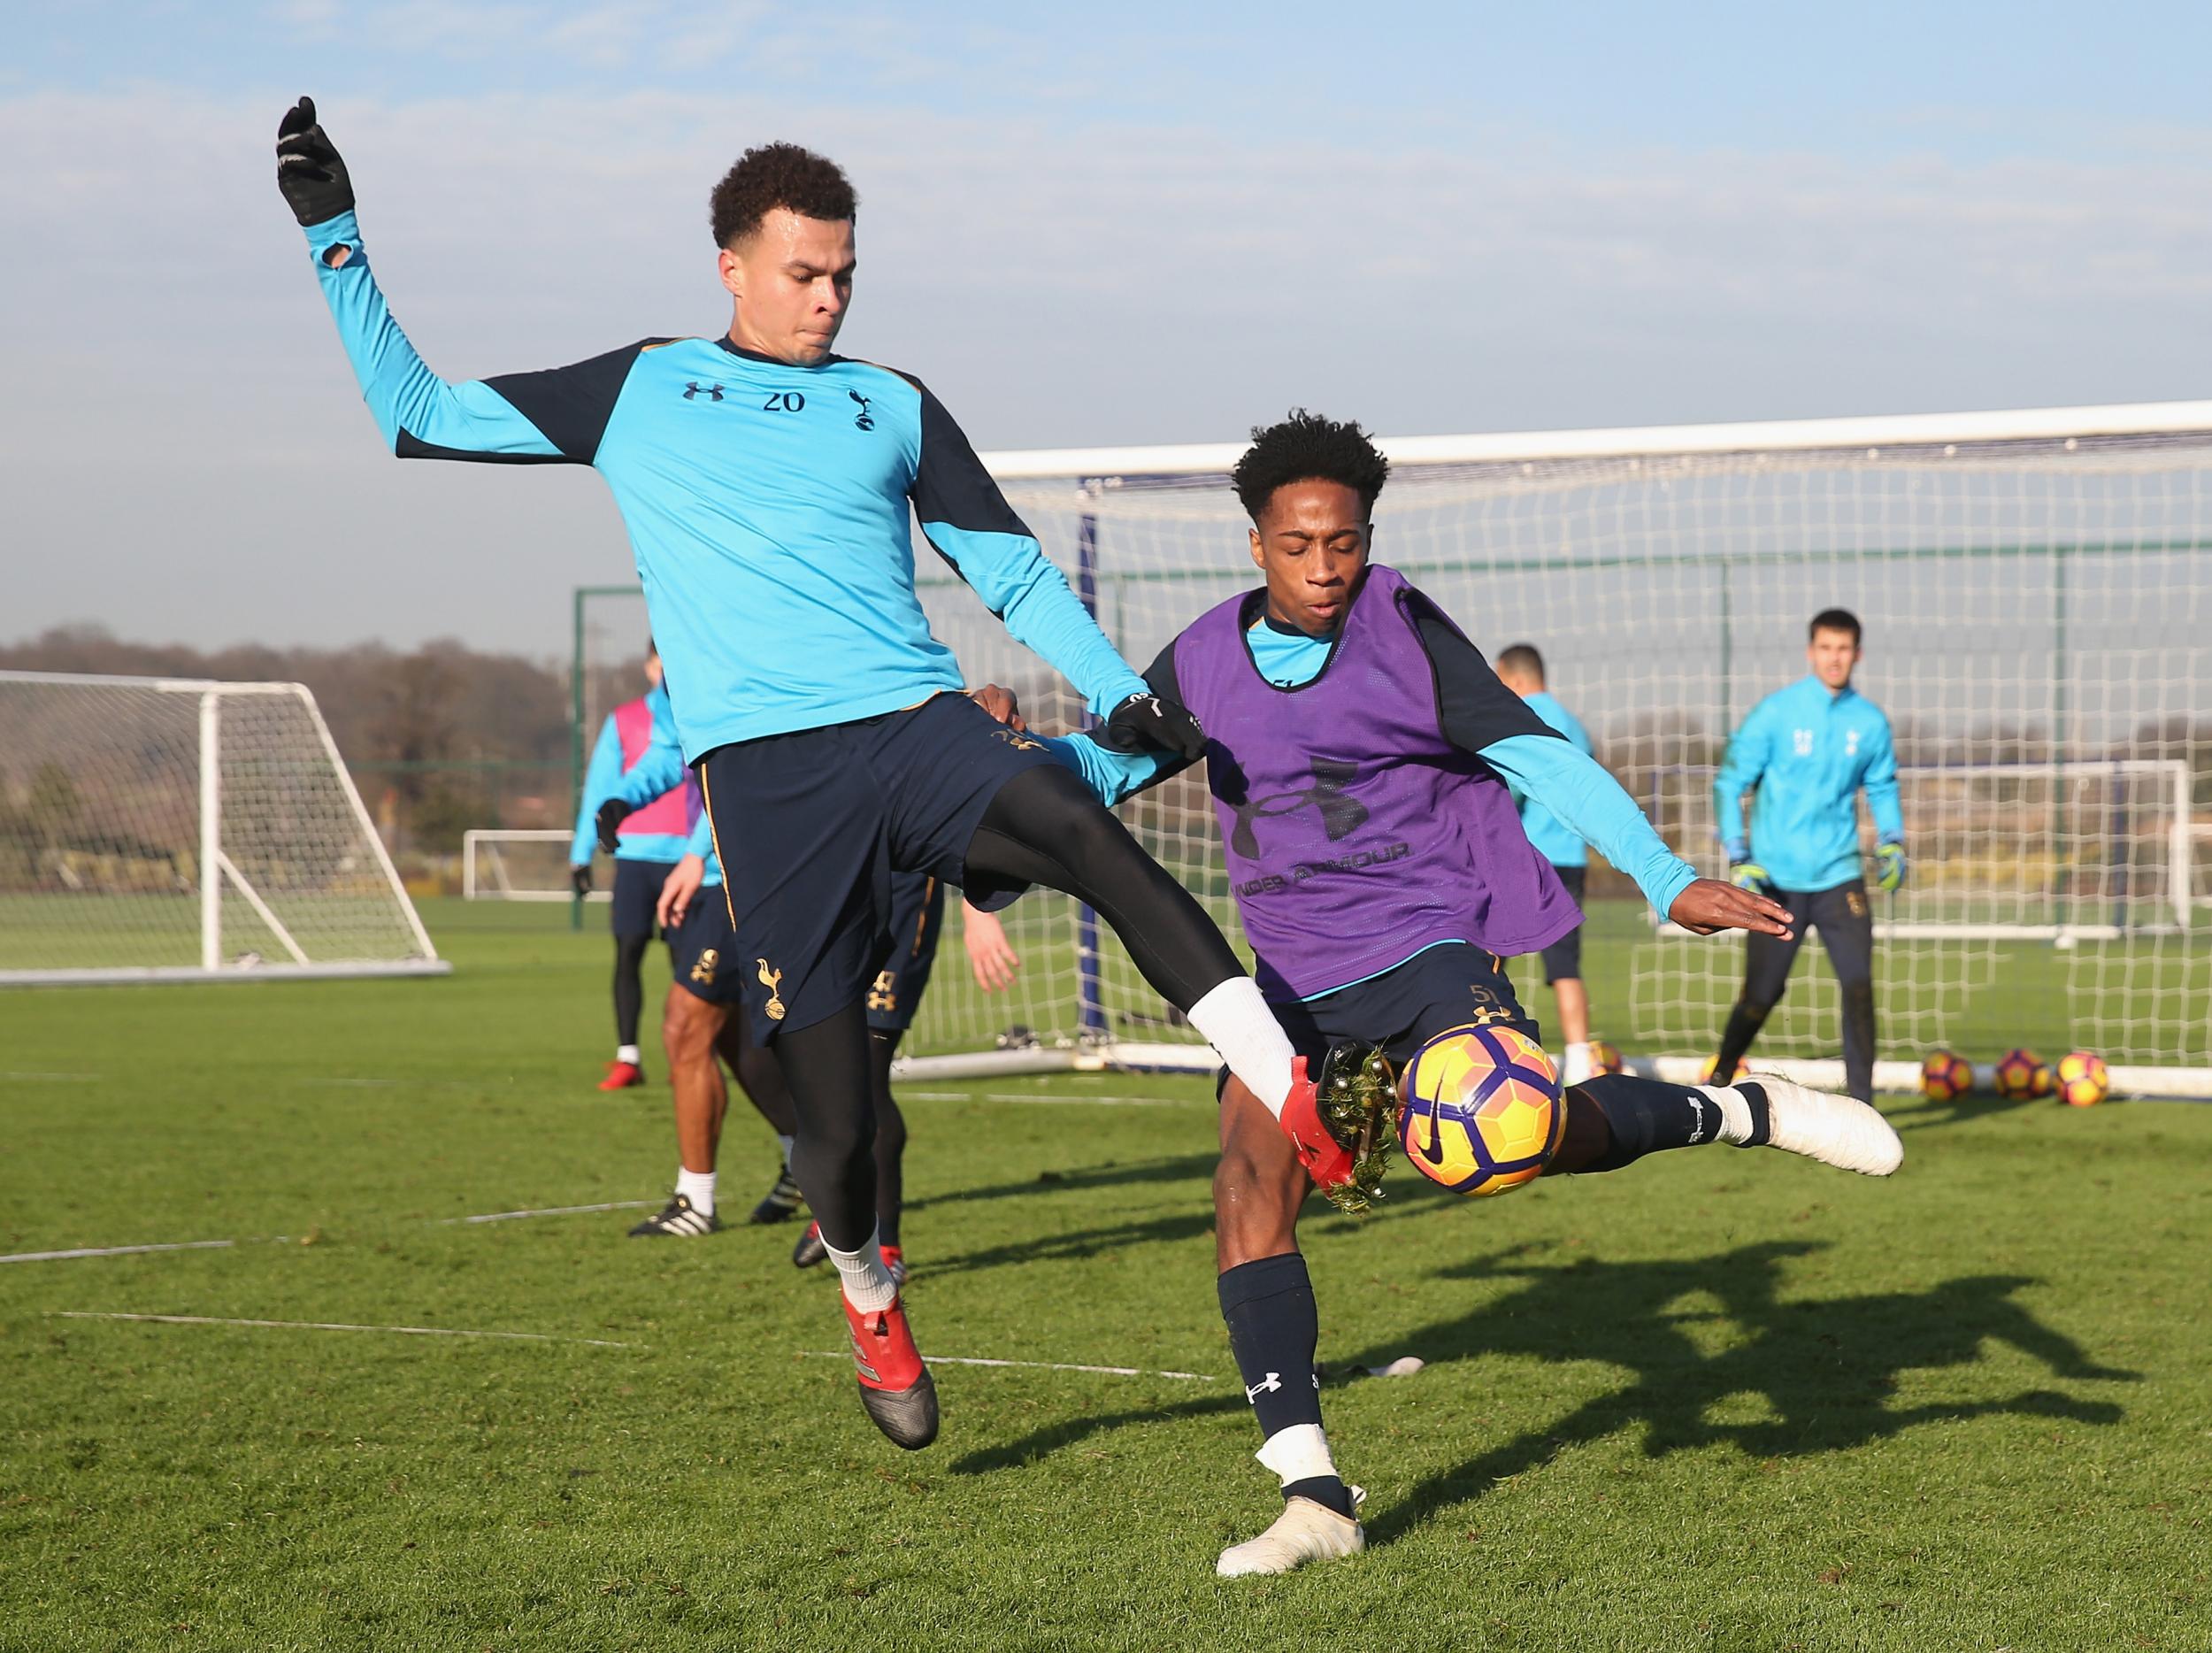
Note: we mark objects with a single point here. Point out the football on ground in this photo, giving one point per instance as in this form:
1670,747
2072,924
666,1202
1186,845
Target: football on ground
1480,1110
1605,1058
1946,1076
2023,1075
2083,1082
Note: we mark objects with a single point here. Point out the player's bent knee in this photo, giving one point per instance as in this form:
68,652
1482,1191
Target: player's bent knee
689,1025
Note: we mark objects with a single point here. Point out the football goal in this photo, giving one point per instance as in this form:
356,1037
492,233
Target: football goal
153,829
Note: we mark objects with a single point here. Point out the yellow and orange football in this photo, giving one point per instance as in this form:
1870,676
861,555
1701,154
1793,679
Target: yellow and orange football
1479,1108
2083,1082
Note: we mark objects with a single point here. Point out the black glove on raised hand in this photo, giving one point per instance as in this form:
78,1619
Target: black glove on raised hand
1146,723
581,878
612,814
308,172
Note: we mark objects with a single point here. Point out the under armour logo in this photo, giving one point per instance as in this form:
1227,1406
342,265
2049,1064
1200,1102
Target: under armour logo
1802,741
862,419
713,393
1340,817
1266,1385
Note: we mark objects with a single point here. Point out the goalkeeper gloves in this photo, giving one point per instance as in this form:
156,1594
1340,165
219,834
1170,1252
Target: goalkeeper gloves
1751,876
580,877
1889,868
609,821
1146,723
308,172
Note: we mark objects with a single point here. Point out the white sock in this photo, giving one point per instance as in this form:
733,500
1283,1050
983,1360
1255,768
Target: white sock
1298,1453
1735,1112
868,1283
785,1142
698,1187
1235,1020
1575,1065
627,1053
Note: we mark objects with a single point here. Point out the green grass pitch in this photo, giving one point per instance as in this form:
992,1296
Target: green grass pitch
1722,1400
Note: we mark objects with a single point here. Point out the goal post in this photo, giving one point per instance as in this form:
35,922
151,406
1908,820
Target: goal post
183,829
2036,587
521,864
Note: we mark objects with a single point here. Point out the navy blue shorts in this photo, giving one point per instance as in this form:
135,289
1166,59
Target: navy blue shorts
1404,1008
703,958
813,826
1562,959
918,917
637,892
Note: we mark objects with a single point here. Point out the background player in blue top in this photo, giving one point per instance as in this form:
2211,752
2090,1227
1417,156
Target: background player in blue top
651,842
769,486
1808,749
1521,669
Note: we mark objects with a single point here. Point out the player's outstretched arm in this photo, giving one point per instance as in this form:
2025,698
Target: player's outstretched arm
421,415
967,520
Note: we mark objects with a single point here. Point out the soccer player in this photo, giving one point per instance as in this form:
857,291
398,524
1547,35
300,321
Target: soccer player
1809,749
767,484
1521,669
1358,751
702,1027
651,842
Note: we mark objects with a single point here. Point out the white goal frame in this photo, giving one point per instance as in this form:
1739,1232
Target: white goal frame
476,886
213,869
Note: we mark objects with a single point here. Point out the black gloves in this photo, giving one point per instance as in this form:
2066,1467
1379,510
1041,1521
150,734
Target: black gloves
1146,723
580,877
308,172
612,814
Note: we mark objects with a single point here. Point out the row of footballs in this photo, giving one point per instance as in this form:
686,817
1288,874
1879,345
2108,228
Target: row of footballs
2079,1079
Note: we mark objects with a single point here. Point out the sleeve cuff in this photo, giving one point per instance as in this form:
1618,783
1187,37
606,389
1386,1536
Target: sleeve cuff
1665,890
331,232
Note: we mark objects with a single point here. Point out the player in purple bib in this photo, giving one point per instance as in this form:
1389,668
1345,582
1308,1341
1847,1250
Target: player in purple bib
1358,747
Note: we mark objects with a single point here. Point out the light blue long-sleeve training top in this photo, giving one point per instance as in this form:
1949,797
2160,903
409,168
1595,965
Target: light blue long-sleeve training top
767,506
602,775
659,770
1553,839
1809,751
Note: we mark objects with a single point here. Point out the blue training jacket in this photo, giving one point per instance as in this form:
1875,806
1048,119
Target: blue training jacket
602,775
1556,841
767,506
1808,752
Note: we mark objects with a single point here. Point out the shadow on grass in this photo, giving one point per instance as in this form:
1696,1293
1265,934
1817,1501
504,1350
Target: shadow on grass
1819,1370
1936,1116
1175,1168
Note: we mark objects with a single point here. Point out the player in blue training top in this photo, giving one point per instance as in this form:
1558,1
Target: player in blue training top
1359,753
650,843
767,485
1808,749
1521,669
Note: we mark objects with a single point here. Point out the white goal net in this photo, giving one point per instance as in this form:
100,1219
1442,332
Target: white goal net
2037,594
153,829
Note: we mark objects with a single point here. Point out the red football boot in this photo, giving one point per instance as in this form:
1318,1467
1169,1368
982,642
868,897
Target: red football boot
895,1386
622,1076
895,1260
1328,1161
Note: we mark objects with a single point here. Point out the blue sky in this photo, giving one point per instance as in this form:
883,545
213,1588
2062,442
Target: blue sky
1140,223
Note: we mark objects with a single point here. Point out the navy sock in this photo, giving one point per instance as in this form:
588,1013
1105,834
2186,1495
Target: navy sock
1647,1115
1273,1328
1755,1098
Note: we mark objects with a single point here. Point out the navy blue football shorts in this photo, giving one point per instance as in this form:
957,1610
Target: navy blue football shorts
703,956
637,892
1403,1009
918,917
813,826
1562,959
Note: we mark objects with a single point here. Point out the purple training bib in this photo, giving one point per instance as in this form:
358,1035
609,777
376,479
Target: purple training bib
1356,834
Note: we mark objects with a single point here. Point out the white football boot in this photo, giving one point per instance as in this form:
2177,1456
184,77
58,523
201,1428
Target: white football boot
1839,1131
1305,1531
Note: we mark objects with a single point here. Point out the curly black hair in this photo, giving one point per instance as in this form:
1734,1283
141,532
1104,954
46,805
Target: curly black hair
778,175
1305,447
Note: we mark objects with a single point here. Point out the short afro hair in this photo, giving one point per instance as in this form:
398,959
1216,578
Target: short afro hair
778,175
1305,447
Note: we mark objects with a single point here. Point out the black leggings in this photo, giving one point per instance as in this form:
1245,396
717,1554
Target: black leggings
629,991
1043,827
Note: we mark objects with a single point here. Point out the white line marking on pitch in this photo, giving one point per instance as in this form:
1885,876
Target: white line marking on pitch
548,1211
332,1326
1077,1102
116,1250
1033,1365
